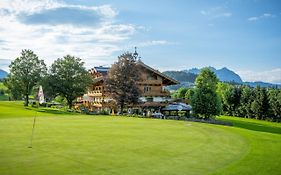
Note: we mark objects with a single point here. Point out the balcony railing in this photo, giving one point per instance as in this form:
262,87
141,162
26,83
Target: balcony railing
150,82
160,94
95,93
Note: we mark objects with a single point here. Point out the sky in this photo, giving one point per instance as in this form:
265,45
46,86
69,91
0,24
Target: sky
242,35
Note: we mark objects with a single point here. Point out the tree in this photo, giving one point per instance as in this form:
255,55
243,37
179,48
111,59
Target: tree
205,101
232,100
69,78
188,95
275,104
222,90
180,93
25,72
247,98
13,88
122,81
260,105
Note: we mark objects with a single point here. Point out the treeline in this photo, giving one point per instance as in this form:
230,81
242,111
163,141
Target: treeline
243,101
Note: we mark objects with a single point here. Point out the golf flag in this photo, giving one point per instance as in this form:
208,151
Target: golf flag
41,95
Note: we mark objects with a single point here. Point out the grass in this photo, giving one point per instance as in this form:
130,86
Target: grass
83,144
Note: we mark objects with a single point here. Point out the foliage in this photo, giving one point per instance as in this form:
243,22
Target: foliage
260,105
68,78
188,95
180,93
25,72
205,101
244,101
247,98
232,100
122,80
275,104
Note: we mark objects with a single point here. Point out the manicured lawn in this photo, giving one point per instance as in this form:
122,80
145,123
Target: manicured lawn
84,144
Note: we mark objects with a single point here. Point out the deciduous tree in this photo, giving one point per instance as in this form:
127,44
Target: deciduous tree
25,72
122,81
205,101
69,78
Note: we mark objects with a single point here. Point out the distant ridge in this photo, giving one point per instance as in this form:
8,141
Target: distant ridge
262,84
3,74
223,74
187,78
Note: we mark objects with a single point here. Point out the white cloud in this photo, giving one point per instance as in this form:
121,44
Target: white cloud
263,16
153,43
94,44
271,76
253,18
216,12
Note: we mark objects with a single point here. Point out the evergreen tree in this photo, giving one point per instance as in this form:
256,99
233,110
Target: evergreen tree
247,97
260,105
232,100
205,101
275,104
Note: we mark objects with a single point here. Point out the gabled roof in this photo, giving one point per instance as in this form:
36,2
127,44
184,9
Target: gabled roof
167,80
100,69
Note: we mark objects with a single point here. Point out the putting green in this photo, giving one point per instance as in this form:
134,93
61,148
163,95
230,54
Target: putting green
81,144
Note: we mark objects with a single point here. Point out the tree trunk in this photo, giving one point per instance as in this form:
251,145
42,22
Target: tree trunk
26,100
122,106
69,102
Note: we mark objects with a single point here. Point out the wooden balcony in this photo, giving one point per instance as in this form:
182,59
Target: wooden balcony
158,82
95,93
157,94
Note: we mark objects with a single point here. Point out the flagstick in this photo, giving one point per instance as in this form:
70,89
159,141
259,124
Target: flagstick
31,139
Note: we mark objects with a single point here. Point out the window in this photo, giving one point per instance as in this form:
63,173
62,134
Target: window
146,89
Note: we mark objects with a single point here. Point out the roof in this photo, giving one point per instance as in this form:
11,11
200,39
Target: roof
177,107
167,80
170,81
100,69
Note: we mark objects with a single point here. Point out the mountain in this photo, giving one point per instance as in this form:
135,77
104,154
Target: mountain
181,76
262,84
223,74
186,79
3,74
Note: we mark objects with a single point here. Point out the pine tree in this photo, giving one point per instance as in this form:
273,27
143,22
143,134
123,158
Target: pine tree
247,97
275,104
260,105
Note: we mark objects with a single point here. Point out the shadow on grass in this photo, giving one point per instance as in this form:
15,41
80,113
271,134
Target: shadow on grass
254,126
52,111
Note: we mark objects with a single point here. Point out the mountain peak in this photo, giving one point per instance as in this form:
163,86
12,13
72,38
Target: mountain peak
223,74
3,74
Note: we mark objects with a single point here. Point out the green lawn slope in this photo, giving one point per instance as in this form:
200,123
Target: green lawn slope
66,143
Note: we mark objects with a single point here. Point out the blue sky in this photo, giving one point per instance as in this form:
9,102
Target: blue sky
243,35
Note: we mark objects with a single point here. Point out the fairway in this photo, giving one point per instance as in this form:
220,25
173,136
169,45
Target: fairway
87,144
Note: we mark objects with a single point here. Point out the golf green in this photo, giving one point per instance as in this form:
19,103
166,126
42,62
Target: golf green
85,144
